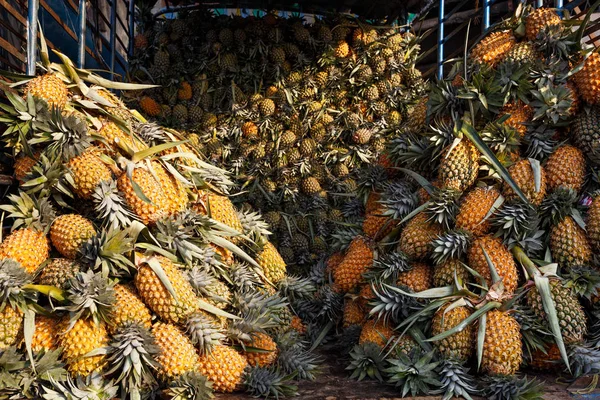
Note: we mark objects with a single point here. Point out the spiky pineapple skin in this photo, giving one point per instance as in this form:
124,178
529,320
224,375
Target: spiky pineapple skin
58,272
377,332
417,235
156,296
443,274
566,167
418,278
115,135
593,223
69,232
128,307
150,107
501,258
520,113
81,339
502,348
88,171
177,353
50,88
272,263
473,214
569,244
45,335
221,209
460,344
148,213
493,48
11,320
264,342
538,20
359,258
588,79
459,166
570,313
23,165
224,367
27,246
548,361
522,173
587,134
353,313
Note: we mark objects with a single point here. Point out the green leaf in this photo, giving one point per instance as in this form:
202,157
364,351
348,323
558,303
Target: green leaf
493,272
143,154
481,339
586,20
50,291
214,310
464,323
162,276
28,331
44,55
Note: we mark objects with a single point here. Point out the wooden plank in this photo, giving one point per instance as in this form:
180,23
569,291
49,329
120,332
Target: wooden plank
18,15
12,49
8,63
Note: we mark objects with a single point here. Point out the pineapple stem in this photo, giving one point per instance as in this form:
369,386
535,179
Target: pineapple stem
526,262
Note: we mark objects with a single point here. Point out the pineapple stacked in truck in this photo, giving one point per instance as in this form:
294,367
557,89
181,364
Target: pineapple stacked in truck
293,109
125,269
472,261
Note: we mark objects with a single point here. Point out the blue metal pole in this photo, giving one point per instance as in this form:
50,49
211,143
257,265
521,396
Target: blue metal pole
82,20
486,14
559,5
131,26
539,3
32,33
440,49
113,36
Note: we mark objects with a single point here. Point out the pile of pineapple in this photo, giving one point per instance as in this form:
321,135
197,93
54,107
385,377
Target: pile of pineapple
125,270
294,110
473,261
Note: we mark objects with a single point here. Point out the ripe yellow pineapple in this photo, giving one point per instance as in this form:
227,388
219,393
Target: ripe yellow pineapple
501,258
50,88
58,271
27,246
473,215
550,360
271,263
459,345
593,223
128,307
443,274
520,113
569,244
417,235
173,189
115,135
522,174
261,341
11,320
150,107
353,314
566,167
358,259
502,347
68,232
588,79
81,339
23,165
376,331
177,352
88,171
221,209
298,325
45,335
224,367
459,166
376,226
492,49
418,278
157,297
538,19
342,50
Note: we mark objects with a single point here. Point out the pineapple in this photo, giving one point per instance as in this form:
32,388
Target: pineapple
11,320
69,232
443,274
566,167
220,207
522,52
377,226
586,132
569,244
359,258
23,165
342,50
417,236
523,174
271,263
459,166
501,258
459,345
261,341
418,278
116,137
88,171
570,314
377,332
177,353
353,314
474,209
157,297
520,113
593,223
29,247
83,337
493,48
310,186
50,88
588,79
185,91
502,347
539,19
548,360
58,272
45,335
224,368
128,307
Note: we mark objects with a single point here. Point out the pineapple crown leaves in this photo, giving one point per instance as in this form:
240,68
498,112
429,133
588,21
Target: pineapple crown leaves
294,357
370,179
515,220
21,118
92,386
203,332
244,277
583,280
90,295
111,207
150,132
342,237
415,373
269,381
107,252
191,385
442,133
552,104
414,151
35,212
67,135
295,287
512,387
388,266
13,281
556,42
200,278
514,81
500,137
367,361
47,177
484,91
131,357
444,99
398,199
455,380
394,303
47,366
533,330
329,304
443,207
560,204
451,244
253,224
540,141
584,360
